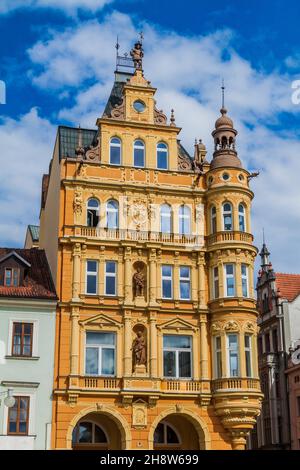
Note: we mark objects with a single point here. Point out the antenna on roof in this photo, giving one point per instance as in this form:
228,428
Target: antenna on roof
263,230
117,46
141,34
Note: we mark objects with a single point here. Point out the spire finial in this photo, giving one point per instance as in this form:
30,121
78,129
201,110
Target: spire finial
263,230
223,94
141,34
172,119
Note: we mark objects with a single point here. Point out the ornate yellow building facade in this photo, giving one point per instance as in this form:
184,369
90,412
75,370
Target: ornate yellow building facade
153,257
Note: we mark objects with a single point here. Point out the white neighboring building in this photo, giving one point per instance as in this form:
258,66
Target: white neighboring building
27,338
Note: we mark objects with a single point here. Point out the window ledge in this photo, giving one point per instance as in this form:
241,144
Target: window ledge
23,358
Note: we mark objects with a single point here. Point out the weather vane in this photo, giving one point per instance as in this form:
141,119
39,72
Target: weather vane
223,93
141,34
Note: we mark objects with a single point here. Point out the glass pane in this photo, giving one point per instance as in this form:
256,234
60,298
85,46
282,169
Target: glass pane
227,208
91,284
218,342
27,328
26,340
110,267
17,350
161,145
18,328
230,287
233,364
171,436
184,364
247,341
166,270
167,289
108,361
169,364
22,428
232,340
229,268
139,157
245,287
165,223
244,270
159,434
23,403
100,338
17,339
177,341
99,435
85,432
91,361
115,155
219,364
248,363
93,203
162,160
227,222
242,223
110,285
26,350
185,271
185,290
12,427
112,218
92,266
13,412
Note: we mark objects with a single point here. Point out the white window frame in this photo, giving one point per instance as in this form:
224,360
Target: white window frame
183,217
100,347
91,273
106,275
97,210
248,350
167,278
35,336
213,219
177,351
245,277
228,349
242,214
226,213
119,145
215,280
218,355
112,210
166,215
166,151
139,147
185,280
229,276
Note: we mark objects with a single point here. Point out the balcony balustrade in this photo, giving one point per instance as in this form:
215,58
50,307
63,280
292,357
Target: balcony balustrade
235,383
232,236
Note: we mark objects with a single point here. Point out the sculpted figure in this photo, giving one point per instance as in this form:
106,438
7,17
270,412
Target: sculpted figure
137,55
139,349
139,282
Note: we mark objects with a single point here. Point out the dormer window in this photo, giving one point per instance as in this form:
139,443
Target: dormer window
12,277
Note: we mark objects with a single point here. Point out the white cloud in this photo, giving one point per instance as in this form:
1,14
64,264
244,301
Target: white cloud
27,146
187,72
70,6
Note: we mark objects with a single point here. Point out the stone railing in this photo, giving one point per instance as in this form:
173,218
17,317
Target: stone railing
235,383
134,235
232,236
100,383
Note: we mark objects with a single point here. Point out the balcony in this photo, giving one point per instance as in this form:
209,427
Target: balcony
229,236
235,383
135,236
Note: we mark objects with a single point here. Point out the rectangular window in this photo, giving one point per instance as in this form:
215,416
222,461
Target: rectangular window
11,277
229,280
100,353
18,417
91,277
215,282
232,355
22,339
177,353
218,349
110,278
248,354
185,282
244,273
267,343
298,405
167,281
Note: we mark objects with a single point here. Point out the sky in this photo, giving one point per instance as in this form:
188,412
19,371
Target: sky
57,63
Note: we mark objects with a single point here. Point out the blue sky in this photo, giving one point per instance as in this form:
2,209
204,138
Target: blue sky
57,59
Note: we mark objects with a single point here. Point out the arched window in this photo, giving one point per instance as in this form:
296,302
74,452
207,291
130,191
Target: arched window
115,151
242,220
92,216
87,432
139,154
184,220
166,218
162,156
213,219
112,214
166,435
227,216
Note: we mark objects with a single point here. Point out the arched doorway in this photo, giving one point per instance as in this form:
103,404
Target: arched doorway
166,437
96,431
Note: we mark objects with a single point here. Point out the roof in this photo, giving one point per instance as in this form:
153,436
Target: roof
115,98
289,285
69,138
34,232
38,283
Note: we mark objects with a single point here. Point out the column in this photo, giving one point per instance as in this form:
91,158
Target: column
76,272
127,344
203,347
176,276
194,279
74,369
242,361
153,345
238,279
127,276
101,273
120,272
152,276
201,281
158,275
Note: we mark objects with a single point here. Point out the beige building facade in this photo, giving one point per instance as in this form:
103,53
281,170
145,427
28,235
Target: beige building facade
152,254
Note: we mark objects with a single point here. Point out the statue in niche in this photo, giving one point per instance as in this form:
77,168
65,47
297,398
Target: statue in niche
139,349
139,282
